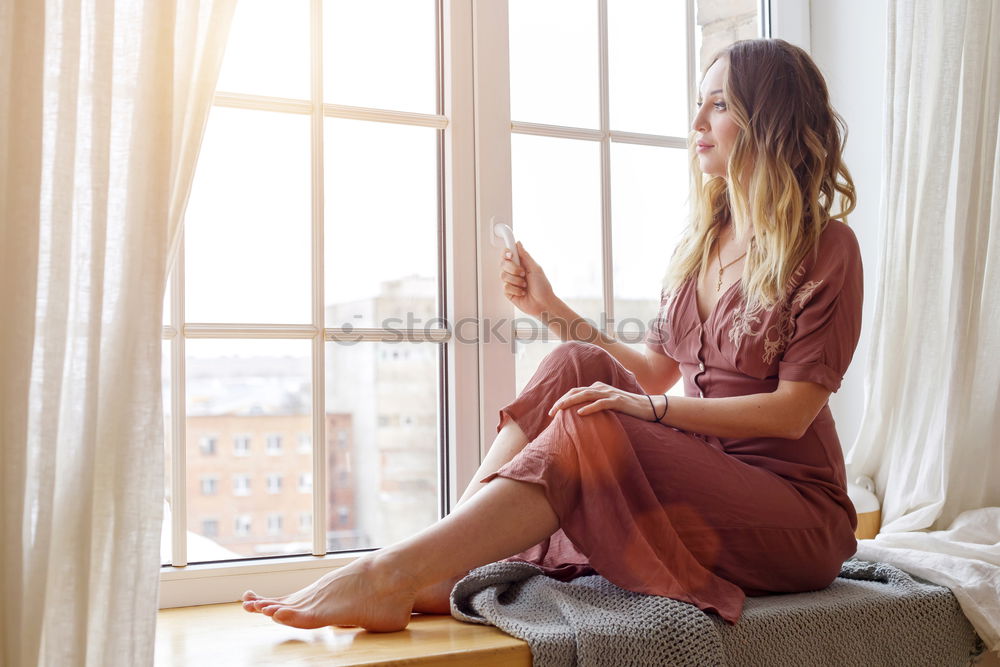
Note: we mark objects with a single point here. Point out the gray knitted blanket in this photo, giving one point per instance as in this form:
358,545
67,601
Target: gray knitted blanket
872,614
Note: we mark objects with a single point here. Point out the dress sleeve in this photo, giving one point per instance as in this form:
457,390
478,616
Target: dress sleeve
655,335
826,310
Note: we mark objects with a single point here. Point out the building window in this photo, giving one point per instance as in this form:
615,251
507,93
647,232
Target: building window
273,444
305,522
210,527
207,445
209,485
242,526
273,524
241,445
305,443
341,437
344,515
305,482
241,485
274,482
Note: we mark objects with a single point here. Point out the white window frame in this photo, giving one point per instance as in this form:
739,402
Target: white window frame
242,444
273,485
239,487
210,482
273,444
476,188
242,525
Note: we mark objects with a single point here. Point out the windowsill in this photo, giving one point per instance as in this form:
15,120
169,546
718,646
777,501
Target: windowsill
225,634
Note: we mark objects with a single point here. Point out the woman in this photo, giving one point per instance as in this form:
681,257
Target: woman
736,488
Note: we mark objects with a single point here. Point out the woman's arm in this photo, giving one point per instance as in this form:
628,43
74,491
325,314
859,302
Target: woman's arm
655,372
784,413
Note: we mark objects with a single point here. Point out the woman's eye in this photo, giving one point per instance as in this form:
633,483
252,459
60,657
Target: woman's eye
719,106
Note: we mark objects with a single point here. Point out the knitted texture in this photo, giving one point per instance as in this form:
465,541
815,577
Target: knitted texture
872,614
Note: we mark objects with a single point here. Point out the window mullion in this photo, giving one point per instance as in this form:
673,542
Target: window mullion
320,481
607,255
178,415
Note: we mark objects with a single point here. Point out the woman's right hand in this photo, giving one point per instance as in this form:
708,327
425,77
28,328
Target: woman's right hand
526,286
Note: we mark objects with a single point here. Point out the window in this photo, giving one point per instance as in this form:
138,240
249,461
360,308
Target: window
288,173
368,174
305,482
274,482
274,524
241,485
242,525
207,445
210,527
241,445
209,485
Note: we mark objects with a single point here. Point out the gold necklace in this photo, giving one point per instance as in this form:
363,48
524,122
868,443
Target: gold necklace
718,254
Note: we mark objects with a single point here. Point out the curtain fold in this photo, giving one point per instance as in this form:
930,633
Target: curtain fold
932,418
102,112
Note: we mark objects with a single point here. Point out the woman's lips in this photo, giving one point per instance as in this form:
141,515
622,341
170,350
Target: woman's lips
704,147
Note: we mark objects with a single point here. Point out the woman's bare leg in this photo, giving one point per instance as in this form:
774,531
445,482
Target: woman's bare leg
508,444
435,599
378,590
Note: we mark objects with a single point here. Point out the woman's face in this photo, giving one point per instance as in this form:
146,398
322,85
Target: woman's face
713,124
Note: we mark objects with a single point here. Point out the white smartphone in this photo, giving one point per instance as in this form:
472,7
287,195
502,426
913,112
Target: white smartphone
504,232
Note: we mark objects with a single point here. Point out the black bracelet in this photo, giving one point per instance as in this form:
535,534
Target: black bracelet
652,406
666,404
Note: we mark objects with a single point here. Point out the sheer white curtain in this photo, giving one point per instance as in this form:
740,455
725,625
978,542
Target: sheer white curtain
929,435
102,105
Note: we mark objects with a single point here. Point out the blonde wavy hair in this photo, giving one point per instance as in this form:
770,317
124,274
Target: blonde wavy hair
783,174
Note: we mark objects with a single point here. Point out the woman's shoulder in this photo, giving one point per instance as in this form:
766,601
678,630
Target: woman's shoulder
838,236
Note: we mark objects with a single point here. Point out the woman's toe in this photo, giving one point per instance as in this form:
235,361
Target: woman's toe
297,618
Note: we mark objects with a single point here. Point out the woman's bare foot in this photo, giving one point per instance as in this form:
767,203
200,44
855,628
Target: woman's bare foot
368,593
436,598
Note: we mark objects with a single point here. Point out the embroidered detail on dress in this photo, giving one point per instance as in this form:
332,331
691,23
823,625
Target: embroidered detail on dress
777,336
744,320
805,293
662,321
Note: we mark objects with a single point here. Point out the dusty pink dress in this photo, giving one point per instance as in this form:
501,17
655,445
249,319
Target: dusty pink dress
690,516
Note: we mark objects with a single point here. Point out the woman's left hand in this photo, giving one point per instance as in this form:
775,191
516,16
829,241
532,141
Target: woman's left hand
600,396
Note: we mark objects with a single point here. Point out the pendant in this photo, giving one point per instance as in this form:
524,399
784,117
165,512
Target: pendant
718,286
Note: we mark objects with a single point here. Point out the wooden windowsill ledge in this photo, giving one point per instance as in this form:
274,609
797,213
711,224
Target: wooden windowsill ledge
224,634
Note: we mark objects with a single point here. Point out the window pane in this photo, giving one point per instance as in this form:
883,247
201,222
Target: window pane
382,438
267,51
527,355
248,224
166,534
381,221
649,189
240,393
380,53
647,67
557,215
720,24
553,62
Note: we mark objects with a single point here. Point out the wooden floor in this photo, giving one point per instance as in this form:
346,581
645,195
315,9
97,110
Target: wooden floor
220,635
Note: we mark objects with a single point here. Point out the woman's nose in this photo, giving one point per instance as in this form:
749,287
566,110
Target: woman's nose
699,124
